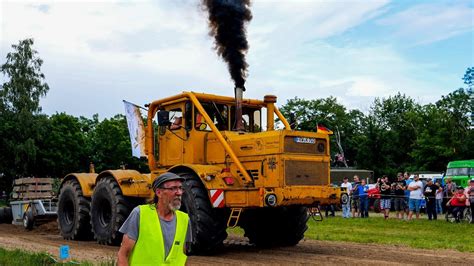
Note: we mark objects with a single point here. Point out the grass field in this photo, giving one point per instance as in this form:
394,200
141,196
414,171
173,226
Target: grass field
421,233
417,233
18,257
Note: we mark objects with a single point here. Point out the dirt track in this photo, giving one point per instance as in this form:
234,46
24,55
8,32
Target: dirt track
237,251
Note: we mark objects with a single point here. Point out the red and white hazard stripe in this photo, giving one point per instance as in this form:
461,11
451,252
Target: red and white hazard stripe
217,198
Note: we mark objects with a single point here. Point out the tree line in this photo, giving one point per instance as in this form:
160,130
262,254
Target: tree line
35,144
397,134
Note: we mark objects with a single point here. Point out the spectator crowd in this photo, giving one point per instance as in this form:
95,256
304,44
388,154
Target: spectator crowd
408,197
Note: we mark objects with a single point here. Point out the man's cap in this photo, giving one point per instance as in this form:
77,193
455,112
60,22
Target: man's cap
429,179
460,187
472,180
165,177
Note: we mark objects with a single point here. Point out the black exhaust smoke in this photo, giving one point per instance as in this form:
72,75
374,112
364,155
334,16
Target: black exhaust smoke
227,19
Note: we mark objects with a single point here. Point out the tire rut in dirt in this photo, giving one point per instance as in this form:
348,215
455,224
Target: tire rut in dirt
73,212
109,209
208,224
273,227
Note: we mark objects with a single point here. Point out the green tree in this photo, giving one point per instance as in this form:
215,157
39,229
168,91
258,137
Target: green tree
469,78
20,125
25,83
111,146
328,112
390,131
444,132
64,148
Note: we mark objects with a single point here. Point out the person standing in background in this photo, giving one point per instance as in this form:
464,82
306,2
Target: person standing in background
346,208
470,198
430,195
355,196
406,176
439,198
385,191
399,200
363,189
449,189
415,188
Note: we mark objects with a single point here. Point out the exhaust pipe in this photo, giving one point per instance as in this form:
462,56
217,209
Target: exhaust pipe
238,108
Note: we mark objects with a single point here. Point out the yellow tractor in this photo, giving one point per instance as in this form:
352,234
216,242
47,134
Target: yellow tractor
237,174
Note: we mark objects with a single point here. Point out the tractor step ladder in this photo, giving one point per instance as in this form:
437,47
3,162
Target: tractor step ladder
234,217
315,213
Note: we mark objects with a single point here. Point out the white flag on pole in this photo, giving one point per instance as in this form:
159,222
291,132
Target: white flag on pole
136,129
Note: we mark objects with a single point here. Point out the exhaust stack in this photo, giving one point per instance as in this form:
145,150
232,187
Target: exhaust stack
238,108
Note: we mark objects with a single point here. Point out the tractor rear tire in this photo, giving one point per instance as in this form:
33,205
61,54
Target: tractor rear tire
273,227
208,224
73,212
109,209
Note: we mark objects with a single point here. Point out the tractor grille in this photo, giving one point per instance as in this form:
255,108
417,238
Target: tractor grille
303,173
305,145
252,173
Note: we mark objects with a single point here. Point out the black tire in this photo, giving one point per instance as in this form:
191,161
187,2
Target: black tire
467,215
109,209
73,212
272,227
208,224
344,198
28,220
450,217
8,215
2,215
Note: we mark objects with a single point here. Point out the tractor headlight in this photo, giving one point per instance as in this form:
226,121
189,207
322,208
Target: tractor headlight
271,200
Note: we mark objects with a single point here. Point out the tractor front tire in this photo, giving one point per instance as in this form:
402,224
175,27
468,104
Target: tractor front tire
73,212
208,224
109,209
273,227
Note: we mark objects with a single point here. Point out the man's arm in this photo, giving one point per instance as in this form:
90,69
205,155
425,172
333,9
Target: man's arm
125,250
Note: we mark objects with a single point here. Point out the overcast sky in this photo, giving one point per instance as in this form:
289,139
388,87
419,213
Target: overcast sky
97,53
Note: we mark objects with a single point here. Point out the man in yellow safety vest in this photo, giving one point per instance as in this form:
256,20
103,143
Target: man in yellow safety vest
157,234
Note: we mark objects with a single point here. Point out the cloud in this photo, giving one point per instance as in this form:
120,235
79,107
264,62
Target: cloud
427,23
99,53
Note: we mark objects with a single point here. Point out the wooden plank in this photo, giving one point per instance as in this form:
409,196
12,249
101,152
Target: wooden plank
37,195
33,188
45,181
40,187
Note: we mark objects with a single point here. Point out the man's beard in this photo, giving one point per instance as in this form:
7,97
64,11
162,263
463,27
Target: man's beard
175,204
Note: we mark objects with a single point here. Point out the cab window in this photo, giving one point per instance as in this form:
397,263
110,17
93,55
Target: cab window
176,119
218,114
251,119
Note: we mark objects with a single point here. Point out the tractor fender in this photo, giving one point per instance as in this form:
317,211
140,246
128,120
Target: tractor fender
131,182
207,173
86,181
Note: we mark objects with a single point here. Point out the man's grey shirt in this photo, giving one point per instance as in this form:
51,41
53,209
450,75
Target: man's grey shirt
131,228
